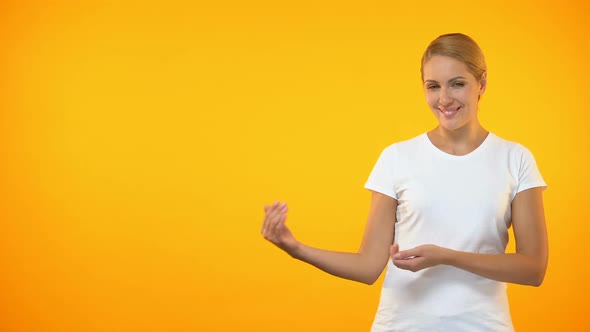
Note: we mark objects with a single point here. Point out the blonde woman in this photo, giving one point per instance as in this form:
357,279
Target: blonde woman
441,206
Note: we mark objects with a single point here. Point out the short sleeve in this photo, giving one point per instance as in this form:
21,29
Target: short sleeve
382,178
529,175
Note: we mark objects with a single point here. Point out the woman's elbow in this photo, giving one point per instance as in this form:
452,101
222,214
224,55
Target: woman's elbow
540,276
537,276
371,277
369,280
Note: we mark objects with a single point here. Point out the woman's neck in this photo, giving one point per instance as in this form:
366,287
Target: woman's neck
458,142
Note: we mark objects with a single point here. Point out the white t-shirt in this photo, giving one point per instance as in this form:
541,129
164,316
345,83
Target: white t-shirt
457,202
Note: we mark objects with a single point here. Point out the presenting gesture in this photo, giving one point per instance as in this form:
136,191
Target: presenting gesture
275,230
429,174
364,266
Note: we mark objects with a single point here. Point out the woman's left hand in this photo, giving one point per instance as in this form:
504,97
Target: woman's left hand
420,257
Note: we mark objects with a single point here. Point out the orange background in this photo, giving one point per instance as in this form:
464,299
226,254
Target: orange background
140,140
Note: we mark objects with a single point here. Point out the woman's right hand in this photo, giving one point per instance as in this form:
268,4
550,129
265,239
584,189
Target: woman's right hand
275,230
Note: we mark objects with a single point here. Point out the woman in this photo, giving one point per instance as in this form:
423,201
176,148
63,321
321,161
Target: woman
441,205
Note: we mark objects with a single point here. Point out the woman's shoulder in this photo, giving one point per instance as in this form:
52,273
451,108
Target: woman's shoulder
508,145
516,153
410,144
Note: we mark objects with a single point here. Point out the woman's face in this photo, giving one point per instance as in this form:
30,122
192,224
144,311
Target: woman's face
452,92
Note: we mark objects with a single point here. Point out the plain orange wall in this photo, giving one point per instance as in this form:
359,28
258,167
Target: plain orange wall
140,140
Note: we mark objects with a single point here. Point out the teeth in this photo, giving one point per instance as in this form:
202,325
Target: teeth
450,112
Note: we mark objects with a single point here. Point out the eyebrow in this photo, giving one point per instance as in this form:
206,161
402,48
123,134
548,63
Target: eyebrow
452,79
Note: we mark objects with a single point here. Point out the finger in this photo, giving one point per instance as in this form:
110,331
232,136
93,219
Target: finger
278,207
285,208
405,254
272,218
393,249
276,210
403,264
413,265
264,224
273,209
281,224
266,207
276,218
269,210
269,226
281,209
269,207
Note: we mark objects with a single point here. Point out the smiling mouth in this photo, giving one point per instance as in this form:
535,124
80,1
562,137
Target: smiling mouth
450,112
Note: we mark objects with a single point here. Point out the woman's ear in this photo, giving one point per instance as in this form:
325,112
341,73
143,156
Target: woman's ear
483,82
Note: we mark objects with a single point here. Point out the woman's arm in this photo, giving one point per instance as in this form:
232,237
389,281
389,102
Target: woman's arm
363,266
527,266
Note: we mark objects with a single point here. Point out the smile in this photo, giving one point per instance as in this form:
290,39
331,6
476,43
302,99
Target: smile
450,112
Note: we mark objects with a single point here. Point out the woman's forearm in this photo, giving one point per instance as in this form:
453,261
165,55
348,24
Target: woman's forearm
514,268
352,266
527,266
363,266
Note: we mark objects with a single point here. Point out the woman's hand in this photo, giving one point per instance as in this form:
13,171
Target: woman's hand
275,230
418,258
364,266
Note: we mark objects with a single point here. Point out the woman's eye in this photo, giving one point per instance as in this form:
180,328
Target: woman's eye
430,87
459,84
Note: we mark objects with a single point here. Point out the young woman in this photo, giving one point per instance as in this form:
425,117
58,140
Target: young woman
441,206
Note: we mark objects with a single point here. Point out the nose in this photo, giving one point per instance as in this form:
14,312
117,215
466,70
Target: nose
445,99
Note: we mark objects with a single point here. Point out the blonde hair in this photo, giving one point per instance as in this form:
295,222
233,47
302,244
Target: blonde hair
460,47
